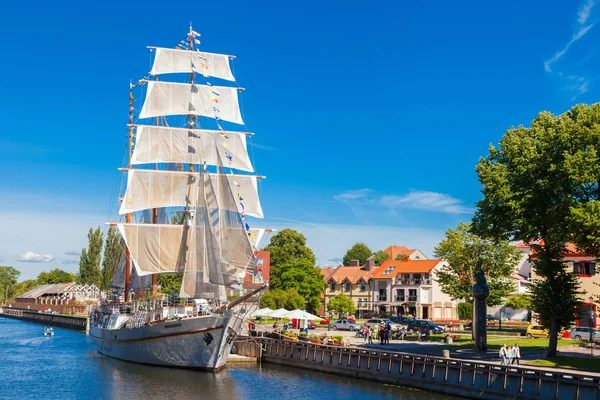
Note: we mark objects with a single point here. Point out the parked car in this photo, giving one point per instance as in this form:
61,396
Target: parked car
490,317
537,331
351,318
402,320
469,326
344,325
381,321
312,325
417,324
324,321
580,333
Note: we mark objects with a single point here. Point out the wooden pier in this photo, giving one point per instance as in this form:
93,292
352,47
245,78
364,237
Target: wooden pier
62,321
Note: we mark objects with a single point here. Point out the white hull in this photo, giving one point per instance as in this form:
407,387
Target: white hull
201,342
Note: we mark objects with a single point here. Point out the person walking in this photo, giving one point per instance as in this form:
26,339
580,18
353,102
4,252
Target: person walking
502,353
370,333
516,353
509,353
381,334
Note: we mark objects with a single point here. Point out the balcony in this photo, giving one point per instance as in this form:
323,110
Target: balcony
412,298
400,298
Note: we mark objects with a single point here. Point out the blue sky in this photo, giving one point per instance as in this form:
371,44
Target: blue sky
369,117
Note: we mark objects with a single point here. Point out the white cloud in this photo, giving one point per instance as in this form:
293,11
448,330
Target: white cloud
70,262
336,260
427,201
580,30
35,258
352,194
72,253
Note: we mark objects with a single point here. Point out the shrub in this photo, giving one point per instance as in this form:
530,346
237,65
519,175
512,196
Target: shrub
337,338
465,310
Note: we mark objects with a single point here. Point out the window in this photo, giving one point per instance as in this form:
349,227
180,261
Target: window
412,294
347,286
584,268
388,270
417,279
332,286
426,279
363,286
400,295
404,278
382,294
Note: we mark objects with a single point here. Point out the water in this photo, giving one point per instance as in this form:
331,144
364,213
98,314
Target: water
67,366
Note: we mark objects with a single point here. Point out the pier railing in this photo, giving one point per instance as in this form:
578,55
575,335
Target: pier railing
47,319
467,378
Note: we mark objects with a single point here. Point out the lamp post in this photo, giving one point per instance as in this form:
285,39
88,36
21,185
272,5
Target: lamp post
592,324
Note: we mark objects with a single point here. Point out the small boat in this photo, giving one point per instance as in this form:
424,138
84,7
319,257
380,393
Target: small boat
48,332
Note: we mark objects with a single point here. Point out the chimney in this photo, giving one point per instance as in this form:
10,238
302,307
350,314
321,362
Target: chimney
369,264
354,263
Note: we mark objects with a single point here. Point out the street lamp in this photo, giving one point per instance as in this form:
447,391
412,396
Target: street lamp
592,321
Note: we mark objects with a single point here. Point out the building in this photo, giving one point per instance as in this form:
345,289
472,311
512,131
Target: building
401,287
412,254
584,267
522,272
354,282
59,294
263,261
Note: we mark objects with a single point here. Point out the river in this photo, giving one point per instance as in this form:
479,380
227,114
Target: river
67,366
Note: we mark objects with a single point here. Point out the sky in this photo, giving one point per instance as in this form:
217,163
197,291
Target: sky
369,117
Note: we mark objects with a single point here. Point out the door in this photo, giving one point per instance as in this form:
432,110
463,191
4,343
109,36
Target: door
425,312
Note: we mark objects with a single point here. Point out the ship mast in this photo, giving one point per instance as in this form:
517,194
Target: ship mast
128,215
154,221
191,117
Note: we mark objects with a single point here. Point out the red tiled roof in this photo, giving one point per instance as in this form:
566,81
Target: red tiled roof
404,267
394,251
351,274
327,272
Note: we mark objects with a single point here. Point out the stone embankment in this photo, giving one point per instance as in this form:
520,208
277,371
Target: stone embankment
63,321
467,378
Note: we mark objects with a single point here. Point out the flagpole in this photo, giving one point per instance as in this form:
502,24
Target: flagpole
128,215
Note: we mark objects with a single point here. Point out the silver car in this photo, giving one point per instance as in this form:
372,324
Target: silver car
581,333
344,325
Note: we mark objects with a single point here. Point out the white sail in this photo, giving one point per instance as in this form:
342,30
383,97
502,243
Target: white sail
160,144
255,236
156,248
168,61
136,281
160,248
152,189
167,98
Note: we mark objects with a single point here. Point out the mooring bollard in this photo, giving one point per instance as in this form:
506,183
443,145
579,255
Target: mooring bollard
446,353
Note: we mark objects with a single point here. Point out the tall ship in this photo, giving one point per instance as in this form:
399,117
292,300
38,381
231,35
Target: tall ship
189,190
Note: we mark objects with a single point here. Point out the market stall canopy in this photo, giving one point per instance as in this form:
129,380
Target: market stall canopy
281,313
299,314
263,312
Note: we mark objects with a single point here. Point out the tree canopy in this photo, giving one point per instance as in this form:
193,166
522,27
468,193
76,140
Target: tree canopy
466,253
380,257
341,304
112,255
89,262
359,251
293,267
55,276
8,279
541,182
275,299
519,302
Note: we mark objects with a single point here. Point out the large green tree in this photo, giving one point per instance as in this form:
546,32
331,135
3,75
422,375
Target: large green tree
380,257
112,254
293,267
541,182
359,251
55,276
89,262
8,279
24,286
341,304
467,253
275,299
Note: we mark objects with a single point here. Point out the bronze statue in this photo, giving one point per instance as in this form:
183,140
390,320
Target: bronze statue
480,291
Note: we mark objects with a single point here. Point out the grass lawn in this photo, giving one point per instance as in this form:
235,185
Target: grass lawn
569,362
524,343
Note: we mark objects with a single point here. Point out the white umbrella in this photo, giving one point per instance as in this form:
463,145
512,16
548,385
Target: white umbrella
281,313
263,312
299,314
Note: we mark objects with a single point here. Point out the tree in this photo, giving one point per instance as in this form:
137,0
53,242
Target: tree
8,279
536,185
89,262
55,276
380,257
170,283
112,255
402,257
359,252
276,298
24,286
519,302
465,310
466,253
293,267
341,304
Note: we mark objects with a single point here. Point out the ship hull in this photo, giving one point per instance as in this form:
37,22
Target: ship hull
202,342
